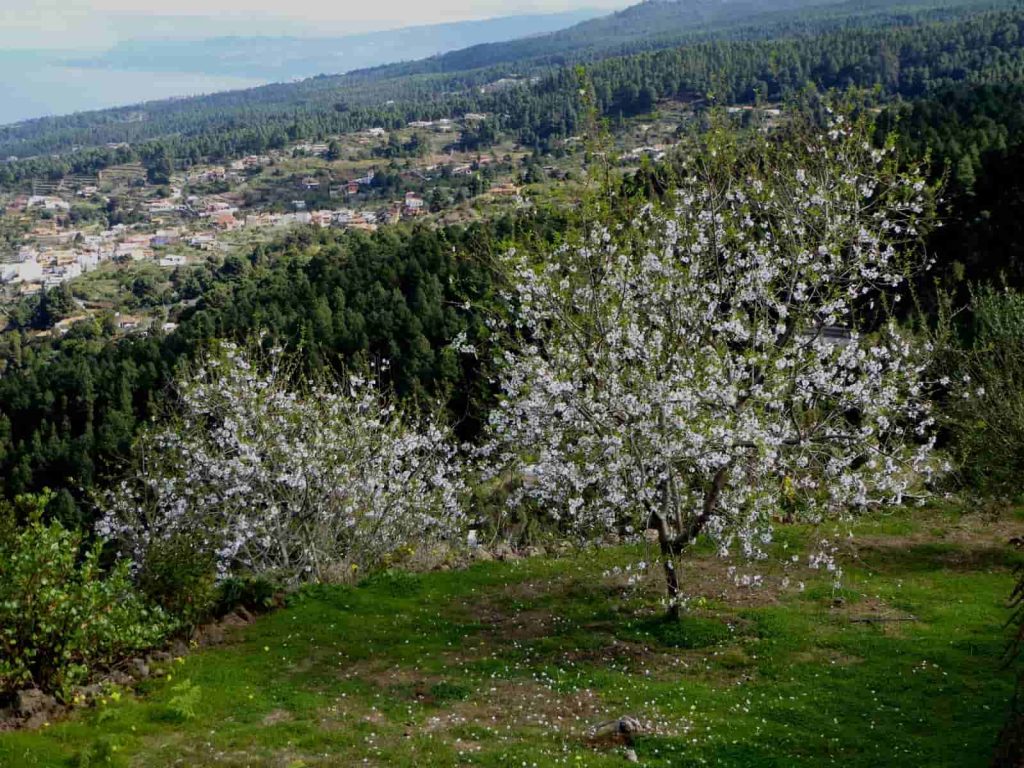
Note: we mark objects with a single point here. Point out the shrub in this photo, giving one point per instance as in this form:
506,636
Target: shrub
253,593
102,752
984,409
180,577
272,474
61,614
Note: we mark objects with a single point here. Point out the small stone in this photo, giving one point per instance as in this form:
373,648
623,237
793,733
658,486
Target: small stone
178,648
210,634
482,555
535,551
629,726
118,677
244,614
161,657
505,552
139,668
232,621
631,756
622,730
89,692
32,702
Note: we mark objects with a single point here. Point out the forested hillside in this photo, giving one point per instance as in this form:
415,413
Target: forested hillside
70,409
668,23
775,61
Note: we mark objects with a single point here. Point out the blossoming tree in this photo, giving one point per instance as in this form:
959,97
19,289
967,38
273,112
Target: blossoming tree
688,373
271,478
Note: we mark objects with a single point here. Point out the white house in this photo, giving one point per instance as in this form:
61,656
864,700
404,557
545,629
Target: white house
26,271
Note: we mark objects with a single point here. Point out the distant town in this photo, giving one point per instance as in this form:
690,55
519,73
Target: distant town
91,231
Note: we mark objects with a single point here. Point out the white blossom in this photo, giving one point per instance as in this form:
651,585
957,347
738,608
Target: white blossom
685,376
273,478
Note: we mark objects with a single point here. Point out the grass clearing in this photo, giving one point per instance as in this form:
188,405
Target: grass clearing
507,664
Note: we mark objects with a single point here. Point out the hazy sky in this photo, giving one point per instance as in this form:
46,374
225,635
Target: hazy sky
100,23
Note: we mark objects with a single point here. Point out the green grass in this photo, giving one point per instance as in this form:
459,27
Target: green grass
511,664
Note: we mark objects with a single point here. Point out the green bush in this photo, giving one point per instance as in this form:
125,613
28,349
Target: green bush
983,368
180,577
256,594
61,614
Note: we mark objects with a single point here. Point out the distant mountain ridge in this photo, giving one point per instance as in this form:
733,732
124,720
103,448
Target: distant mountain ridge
653,24
460,81
289,57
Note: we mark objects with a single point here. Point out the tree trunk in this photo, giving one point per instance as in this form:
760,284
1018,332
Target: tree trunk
669,546
669,556
1010,747
672,546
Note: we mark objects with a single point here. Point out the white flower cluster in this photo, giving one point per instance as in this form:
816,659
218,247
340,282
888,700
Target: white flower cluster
701,372
275,479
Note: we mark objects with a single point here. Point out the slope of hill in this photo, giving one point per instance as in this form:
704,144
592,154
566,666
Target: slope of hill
656,24
834,45
284,58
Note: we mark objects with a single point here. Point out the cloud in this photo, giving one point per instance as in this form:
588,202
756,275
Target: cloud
100,23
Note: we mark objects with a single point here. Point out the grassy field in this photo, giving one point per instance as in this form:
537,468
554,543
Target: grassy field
513,664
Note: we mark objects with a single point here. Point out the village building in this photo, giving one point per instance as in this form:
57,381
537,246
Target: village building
225,221
413,202
505,190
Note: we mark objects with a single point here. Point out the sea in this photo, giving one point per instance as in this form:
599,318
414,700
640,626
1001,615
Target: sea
30,87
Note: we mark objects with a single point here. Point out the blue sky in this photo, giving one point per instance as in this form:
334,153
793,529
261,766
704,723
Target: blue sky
101,23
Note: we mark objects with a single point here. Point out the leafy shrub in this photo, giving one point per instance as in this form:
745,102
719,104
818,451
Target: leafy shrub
984,409
61,614
251,592
273,476
180,577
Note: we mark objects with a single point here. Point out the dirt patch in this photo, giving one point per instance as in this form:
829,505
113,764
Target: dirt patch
923,553
622,653
526,704
716,578
986,528
523,704
278,716
522,625
388,677
826,656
